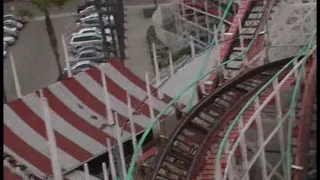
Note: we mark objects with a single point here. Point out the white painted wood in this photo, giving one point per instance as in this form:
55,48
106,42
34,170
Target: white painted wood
157,72
111,161
66,57
105,172
86,172
110,120
15,77
122,158
56,169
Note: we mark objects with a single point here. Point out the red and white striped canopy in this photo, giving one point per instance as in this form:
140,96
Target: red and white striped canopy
78,117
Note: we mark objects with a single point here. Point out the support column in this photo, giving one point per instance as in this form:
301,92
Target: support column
109,116
15,77
207,21
105,172
111,160
262,157
171,64
66,57
86,172
305,117
196,21
56,169
193,51
157,72
156,123
266,36
119,140
243,147
279,119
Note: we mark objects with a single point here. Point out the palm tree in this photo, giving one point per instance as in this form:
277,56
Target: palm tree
43,6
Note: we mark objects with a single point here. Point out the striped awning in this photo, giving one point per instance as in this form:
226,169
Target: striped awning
78,117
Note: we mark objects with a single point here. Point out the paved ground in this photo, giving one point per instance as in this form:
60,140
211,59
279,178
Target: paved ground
34,59
71,6
139,60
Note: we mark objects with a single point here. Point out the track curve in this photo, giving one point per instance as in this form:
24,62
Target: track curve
188,144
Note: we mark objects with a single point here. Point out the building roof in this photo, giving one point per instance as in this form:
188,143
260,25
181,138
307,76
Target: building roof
78,117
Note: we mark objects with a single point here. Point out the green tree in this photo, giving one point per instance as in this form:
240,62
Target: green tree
43,6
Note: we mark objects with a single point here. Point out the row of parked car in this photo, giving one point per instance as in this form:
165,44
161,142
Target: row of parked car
12,24
86,45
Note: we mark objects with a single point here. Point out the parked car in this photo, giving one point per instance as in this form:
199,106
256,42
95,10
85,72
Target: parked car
87,38
5,46
95,47
88,10
10,33
12,29
80,66
15,17
9,40
94,22
96,15
88,55
92,30
87,4
12,24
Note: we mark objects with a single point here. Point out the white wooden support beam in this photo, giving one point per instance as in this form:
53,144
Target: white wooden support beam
203,12
218,173
266,36
216,40
15,77
244,56
110,120
66,57
222,34
262,156
196,21
194,24
111,160
243,147
296,73
207,20
193,51
279,119
156,68
132,127
105,172
86,172
122,159
56,169
171,64
156,124
183,16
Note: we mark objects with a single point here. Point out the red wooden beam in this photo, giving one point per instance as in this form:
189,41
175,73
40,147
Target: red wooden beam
305,116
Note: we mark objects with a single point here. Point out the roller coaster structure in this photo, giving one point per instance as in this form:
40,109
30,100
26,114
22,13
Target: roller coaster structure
253,118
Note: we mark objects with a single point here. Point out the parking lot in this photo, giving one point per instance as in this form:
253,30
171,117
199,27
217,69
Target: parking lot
35,63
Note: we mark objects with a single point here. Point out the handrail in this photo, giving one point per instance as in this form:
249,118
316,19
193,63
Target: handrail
235,121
